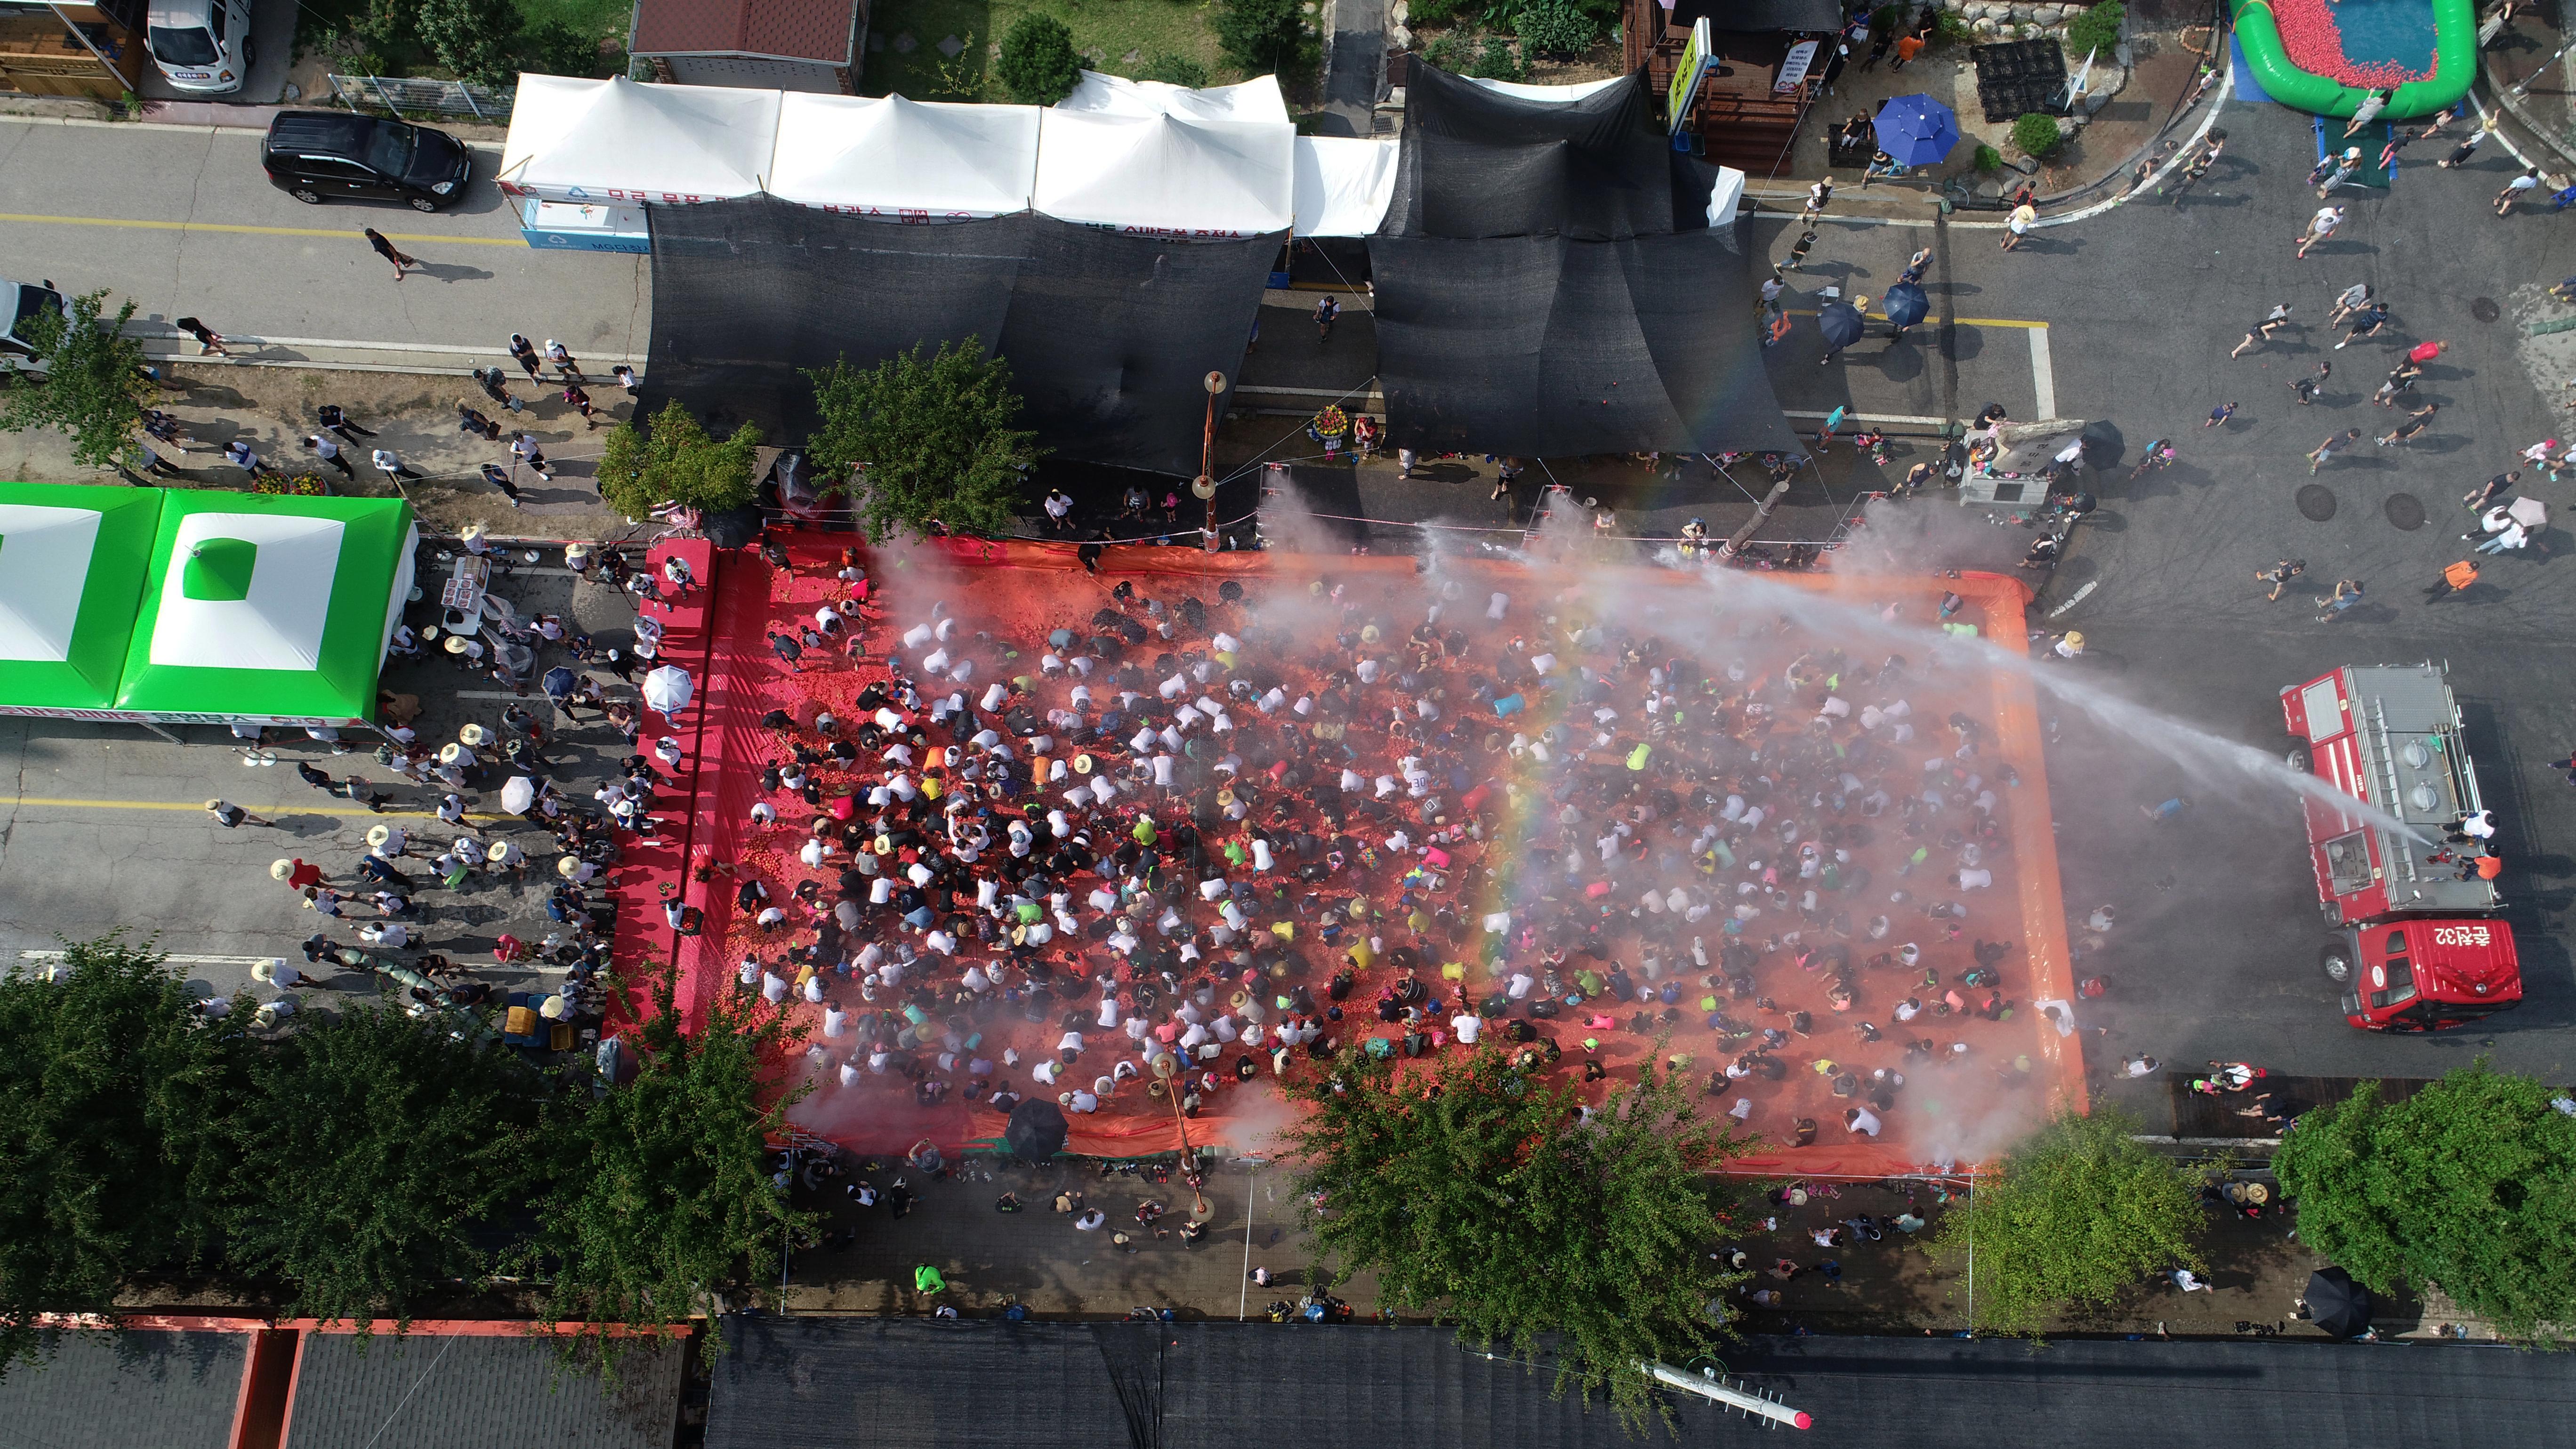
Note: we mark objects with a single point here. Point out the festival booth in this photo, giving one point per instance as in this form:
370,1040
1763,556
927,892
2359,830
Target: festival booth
585,157
1343,185
904,160
198,607
1253,100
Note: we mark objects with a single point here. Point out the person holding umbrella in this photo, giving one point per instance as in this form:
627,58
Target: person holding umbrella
1906,304
1842,325
1915,131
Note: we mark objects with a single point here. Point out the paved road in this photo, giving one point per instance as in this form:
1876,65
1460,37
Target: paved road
183,221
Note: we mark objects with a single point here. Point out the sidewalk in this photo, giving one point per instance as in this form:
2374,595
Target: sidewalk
414,415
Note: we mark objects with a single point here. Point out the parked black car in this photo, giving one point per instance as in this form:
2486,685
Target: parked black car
317,156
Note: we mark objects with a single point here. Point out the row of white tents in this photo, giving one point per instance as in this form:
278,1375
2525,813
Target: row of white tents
1135,155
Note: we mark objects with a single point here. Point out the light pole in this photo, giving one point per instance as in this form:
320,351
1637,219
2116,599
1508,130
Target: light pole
1204,485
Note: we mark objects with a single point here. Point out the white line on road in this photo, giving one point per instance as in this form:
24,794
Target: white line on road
175,960
347,345
1867,417
2043,376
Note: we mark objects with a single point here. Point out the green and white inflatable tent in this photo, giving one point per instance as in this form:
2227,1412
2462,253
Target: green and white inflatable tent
197,606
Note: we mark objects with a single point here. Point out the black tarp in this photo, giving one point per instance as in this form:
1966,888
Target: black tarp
919,1383
1548,285
1108,334
1756,15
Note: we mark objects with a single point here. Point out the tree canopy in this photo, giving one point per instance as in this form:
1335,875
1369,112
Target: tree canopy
670,458
94,387
2073,1216
929,439
662,1188
1477,1191
1266,37
371,1149
2469,1184
1039,66
112,1158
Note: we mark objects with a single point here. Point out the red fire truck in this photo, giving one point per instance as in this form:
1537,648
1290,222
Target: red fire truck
2419,948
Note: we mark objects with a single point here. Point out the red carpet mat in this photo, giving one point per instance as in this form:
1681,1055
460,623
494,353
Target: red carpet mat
649,866
1756,704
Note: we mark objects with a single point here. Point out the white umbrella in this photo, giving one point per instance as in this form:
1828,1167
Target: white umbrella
2529,512
519,794
668,689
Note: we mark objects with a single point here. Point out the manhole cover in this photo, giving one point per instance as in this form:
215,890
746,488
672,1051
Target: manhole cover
2485,309
2406,511
2316,502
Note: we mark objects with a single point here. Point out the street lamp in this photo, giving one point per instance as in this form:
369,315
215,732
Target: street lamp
1204,485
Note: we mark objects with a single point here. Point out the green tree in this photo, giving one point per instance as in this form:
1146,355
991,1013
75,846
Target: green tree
111,1154
555,48
1556,27
672,459
1475,1190
928,439
473,39
1266,36
2074,1215
370,1149
2036,134
662,1188
1175,70
1038,65
93,389
2469,1184
2097,29
1496,61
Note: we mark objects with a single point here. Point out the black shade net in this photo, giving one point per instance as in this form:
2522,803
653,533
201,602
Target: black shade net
1108,335
1548,285
1541,347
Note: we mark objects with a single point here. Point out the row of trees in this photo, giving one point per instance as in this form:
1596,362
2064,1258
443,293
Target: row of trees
89,383
915,438
365,1166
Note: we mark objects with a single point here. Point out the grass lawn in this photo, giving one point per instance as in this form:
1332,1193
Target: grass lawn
592,18
1117,36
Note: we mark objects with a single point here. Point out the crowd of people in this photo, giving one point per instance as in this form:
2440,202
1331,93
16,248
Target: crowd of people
1130,847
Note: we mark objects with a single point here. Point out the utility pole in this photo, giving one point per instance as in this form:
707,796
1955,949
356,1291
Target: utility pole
1204,486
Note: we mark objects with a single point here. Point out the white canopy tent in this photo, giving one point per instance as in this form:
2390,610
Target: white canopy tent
907,159
1254,100
1521,91
1163,174
1344,185
618,140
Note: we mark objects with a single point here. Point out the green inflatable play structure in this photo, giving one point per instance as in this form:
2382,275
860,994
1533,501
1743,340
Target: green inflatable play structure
197,606
2323,27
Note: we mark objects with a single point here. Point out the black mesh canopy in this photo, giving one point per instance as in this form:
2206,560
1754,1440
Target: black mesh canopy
1477,162
1614,320
1108,335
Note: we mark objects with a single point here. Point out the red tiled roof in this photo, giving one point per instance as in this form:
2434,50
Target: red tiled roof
796,29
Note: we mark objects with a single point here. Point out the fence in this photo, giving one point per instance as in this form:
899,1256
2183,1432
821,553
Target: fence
405,96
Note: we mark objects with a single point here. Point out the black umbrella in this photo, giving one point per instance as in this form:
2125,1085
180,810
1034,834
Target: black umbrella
1036,1132
559,684
1906,304
2338,1305
1840,323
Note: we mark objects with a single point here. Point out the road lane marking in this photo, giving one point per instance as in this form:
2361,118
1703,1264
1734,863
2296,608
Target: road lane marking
2043,377
37,219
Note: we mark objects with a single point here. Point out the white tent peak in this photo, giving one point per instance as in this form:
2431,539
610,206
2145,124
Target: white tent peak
278,621
44,564
1257,99
1556,95
1344,184
894,155
579,140
1163,173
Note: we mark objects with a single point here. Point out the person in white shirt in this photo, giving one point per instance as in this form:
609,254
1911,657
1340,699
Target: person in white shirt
1468,1027
1861,1121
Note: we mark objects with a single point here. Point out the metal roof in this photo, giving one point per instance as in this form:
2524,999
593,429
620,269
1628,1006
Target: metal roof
817,30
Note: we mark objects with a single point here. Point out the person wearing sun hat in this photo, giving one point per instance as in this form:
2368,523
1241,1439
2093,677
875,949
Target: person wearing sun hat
297,873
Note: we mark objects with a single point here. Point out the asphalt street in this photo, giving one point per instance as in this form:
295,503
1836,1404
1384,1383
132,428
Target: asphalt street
182,220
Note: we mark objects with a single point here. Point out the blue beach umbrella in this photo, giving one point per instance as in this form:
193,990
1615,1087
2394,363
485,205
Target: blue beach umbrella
1916,130
1906,304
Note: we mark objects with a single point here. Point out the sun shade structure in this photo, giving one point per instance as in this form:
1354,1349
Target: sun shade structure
1343,184
904,160
199,606
618,140
1165,175
72,561
1253,100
